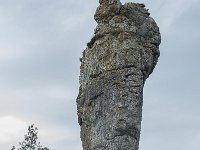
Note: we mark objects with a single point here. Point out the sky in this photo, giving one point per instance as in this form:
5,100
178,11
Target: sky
41,42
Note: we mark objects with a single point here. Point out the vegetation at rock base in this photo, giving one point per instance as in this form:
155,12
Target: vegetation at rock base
30,140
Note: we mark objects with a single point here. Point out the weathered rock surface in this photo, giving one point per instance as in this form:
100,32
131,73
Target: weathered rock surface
116,63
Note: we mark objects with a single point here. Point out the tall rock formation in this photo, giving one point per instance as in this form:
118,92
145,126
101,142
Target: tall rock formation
114,67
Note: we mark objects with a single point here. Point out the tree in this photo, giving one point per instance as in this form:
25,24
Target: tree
30,140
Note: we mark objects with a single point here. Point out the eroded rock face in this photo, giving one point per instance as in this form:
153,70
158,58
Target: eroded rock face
114,67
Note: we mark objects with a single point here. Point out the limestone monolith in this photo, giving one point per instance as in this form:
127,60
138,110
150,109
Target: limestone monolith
114,66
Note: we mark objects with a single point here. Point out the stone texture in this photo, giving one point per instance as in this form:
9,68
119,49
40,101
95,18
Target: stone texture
114,67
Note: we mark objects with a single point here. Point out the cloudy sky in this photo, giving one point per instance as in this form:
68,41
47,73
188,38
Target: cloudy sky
40,45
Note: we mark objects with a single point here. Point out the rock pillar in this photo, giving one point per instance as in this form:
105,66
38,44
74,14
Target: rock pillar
114,67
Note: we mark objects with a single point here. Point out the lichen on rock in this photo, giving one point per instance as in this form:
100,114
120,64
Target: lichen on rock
119,58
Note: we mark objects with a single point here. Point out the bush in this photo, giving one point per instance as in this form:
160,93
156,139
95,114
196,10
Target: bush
30,140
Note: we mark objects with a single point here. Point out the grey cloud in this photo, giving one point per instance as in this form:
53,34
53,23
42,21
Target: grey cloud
171,105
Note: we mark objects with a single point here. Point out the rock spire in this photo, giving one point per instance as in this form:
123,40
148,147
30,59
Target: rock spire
114,67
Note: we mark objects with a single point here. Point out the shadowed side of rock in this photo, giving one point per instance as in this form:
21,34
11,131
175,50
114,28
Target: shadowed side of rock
114,67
